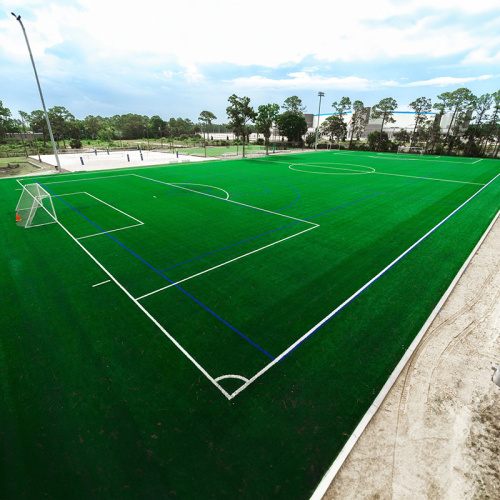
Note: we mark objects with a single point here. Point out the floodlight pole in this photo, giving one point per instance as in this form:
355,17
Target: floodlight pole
320,94
58,168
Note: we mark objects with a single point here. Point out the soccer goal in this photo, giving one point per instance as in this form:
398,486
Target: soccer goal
35,207
412,150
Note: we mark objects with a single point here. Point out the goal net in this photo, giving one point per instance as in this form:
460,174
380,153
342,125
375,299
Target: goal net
412,150
35,207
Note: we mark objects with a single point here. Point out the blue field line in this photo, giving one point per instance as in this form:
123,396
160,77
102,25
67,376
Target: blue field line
225,175
268,232
161,274
362,190
402,256
262,185
229,246
420,178
341,206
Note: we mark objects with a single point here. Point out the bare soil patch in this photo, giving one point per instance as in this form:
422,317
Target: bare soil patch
437,433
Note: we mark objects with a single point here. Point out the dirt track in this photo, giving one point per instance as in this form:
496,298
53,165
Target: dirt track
437,433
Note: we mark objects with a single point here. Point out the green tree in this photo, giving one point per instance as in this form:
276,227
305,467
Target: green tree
385,110
206,117
157,126
358,121
4,119
402,136
482,105
378,140
92,125
421,106
267,114
456,102
240,113
39,124
492,126
310,140
294,105
335,127
292,125
59,120
342,107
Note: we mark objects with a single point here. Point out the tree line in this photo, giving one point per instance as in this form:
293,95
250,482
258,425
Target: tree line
473,127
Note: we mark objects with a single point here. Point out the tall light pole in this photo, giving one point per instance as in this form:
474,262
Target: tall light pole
320,94
41,95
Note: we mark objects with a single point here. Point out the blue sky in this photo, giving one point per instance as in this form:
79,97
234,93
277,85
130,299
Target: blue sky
156,58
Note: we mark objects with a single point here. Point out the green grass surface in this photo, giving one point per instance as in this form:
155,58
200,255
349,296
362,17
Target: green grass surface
246,258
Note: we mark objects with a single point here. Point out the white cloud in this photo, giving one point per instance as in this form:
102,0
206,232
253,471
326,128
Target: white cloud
481,56
444,81
302,80
195,32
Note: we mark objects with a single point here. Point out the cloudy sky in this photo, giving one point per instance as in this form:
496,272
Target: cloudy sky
180,57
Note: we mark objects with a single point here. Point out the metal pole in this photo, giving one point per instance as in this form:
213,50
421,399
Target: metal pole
41,95
320,94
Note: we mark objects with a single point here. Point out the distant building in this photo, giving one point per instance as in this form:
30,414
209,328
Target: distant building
405,120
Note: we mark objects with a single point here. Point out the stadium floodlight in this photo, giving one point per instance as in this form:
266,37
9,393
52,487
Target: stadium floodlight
18,18
320,94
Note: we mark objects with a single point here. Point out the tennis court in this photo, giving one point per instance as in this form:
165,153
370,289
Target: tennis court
226,325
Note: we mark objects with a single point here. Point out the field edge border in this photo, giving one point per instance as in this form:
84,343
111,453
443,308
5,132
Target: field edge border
330,474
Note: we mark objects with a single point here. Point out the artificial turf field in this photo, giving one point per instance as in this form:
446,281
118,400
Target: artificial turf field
205,330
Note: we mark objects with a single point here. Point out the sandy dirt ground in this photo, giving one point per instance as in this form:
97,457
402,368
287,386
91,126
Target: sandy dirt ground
72,162
437,433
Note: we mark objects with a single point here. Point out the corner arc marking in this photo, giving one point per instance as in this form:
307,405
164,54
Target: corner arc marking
240,377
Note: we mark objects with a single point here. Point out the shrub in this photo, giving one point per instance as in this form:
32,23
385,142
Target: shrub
75,144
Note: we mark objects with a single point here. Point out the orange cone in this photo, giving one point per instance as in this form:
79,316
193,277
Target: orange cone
18,218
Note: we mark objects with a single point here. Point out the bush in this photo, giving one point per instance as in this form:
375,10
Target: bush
184,137
260,141
75,144
373,140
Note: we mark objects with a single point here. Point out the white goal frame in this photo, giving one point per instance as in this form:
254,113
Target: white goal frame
33,200
415,150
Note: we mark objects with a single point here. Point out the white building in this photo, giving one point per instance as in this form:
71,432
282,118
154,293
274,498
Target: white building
405,120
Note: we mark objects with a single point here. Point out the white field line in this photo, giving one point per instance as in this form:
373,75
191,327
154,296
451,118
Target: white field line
426,158
91,179
225,263
111,206
205,185
240,377
229,201
341,457
477,161
430,178
103,202
379,173
354,295
312,165
101,283
114,208
352,172
148,314
110,231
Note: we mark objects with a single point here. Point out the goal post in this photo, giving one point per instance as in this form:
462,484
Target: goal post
35,207
412,150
